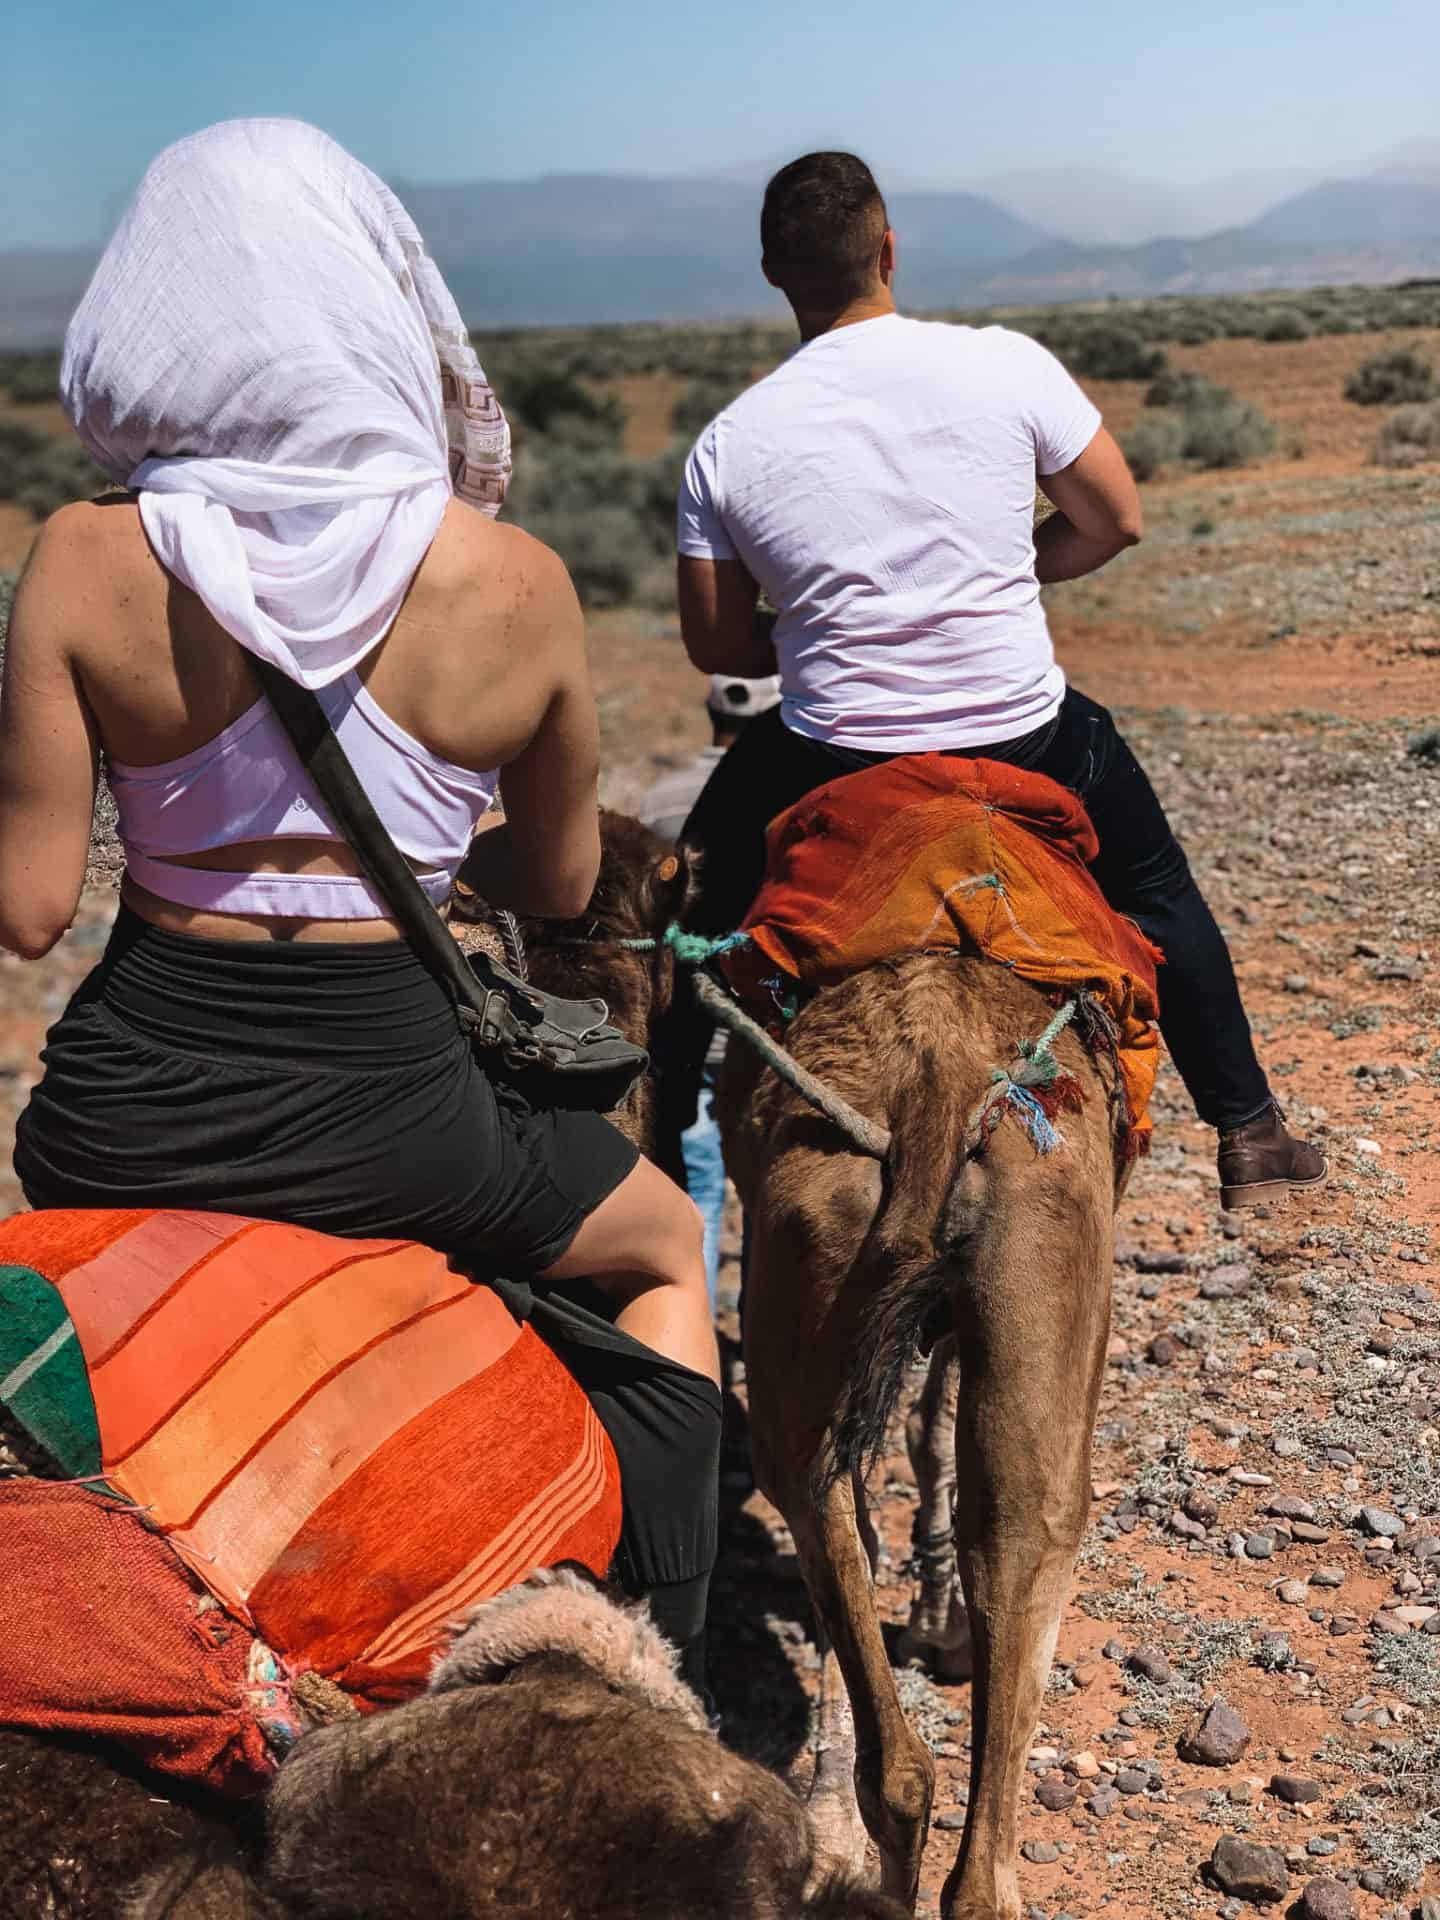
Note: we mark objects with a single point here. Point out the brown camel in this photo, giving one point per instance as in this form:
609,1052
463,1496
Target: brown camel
853,1267
557,1765
1000,1261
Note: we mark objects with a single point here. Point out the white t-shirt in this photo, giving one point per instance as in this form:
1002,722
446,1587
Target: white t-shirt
880,486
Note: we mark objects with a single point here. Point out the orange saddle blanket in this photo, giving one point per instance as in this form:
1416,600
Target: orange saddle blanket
930,851
345,1442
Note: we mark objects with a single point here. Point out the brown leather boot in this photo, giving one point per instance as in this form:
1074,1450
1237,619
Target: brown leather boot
1262,1163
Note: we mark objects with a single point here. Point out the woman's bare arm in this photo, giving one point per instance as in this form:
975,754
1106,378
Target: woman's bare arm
49,751
545,857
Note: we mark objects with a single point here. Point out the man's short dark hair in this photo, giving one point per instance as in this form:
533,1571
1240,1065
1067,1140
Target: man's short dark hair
821,228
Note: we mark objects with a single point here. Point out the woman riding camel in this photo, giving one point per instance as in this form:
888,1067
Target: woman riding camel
269,362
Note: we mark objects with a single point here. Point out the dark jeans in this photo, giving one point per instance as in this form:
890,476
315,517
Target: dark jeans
1141,869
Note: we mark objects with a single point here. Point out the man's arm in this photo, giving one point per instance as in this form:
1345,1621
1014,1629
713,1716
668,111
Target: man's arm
49,755
545,857
718,622
1098,513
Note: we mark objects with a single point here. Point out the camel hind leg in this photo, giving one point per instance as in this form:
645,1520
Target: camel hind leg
938,1631
1031,1318
894,1775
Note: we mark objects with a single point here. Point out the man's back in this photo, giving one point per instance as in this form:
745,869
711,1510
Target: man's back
879,486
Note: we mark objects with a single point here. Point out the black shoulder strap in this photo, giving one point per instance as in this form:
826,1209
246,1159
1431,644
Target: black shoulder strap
324,759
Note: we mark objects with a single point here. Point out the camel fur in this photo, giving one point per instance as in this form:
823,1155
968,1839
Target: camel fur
576,1777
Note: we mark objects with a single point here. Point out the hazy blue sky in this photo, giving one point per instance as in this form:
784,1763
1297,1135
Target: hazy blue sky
933,90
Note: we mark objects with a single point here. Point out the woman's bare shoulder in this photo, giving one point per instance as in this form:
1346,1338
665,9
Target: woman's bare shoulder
487,575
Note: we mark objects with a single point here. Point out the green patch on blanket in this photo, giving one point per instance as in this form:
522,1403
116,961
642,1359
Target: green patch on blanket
43,1380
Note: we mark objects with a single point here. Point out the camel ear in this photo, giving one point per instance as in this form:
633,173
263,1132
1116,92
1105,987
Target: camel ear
676,884
201,1886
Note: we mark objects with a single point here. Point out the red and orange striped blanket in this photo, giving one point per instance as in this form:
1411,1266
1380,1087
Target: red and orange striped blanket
345,1444
930,851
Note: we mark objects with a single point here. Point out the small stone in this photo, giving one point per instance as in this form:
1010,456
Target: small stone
1388,1623
1056,1793
1243,1477
1248,1871
1415,1616
1382,1525
1103,1802
1294,1791
1320,1846
1151,1664
1131,1780
1216,1738
1370,1147
1307,1532
1296,983
1259,1546
1112,1650
1326,1899
950,1822
1292,1593
1162,1351
1328,1577
1042,1853
1186,1528
1289,1506
1202,1506
1285,1448
1084,1766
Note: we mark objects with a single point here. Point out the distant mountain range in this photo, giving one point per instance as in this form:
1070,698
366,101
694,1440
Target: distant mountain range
595,248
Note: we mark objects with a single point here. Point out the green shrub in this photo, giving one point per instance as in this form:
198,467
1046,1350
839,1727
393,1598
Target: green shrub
1388,379
1103,350
1409,436
1286,323
1152,444
604,548
1220,430
548,400
698,405
1176,389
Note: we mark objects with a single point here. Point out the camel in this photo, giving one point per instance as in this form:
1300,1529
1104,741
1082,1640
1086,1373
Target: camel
557,1764
1000,1262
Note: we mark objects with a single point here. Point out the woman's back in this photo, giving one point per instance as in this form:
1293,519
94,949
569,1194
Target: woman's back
485,641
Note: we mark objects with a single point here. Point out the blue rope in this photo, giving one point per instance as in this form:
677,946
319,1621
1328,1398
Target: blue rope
693,948
1044,1135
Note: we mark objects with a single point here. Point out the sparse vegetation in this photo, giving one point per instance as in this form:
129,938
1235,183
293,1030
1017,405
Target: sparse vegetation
698,406
1189,417
40,473
1102,350
1411,435
1286,323
1220,430
1390,379
1153,444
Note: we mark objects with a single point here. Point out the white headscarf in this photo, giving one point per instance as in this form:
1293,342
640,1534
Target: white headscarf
268,355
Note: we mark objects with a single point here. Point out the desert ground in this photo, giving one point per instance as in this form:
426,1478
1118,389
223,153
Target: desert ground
1266,1491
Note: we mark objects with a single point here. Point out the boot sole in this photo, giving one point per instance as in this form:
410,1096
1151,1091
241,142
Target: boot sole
1273,1193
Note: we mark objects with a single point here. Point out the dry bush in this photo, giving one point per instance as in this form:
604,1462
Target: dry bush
1411,435
1390,379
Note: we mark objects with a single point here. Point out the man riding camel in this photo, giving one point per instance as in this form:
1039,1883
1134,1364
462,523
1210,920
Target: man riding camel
879,486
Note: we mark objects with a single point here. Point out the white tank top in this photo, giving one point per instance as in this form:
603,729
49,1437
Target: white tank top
247,784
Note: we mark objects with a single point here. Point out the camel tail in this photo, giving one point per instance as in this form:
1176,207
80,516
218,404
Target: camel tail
930,1211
